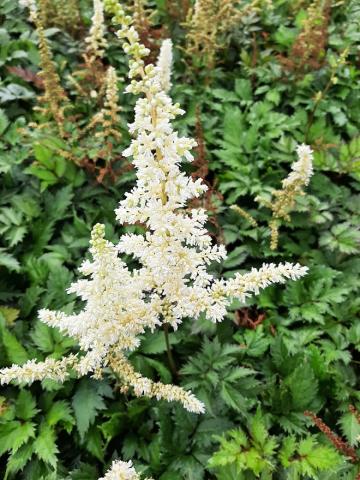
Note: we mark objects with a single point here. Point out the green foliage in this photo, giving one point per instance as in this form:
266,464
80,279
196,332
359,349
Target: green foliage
256,454
307,458
214,372
252,451
292,348
350,427
87,394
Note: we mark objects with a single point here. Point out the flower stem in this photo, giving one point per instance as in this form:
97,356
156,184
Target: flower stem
169,351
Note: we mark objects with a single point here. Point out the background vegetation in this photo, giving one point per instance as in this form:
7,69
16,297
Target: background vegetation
280,377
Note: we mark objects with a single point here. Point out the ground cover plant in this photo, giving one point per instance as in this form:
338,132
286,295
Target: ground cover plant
269,392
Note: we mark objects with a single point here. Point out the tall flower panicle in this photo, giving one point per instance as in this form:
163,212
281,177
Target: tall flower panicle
54,99
55,13
96,41
108,116
302,170
209,22
32,370
293,185
172,281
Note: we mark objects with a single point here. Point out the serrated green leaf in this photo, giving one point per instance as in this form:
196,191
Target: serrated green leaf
45,447
9,261
14,434
350,427
15,352
60,411
232,397
258,430
113,426
10,314
94,443
16,235
155,343
84,472
25,405
43,338
19,459
303,387
87,402
323,457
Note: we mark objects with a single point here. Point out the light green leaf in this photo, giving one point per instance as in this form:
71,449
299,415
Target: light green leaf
9,261
15,434
15,352
19,459
25,405
42,337
4,122
350,427
45,446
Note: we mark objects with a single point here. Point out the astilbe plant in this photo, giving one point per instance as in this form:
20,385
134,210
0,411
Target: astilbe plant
54,100
87,142
92,72
177,9
64,14
284,200
309,49
208,24
96,40
150,35
172,281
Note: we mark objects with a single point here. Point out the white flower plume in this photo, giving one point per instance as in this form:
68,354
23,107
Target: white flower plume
164,64
96,41
172,281
121,471
302,170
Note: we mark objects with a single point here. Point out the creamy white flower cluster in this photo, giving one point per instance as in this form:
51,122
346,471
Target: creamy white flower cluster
176,249
146,387
164,64
116,312
284,200
172,281
32,370
302,170
121,471
96,41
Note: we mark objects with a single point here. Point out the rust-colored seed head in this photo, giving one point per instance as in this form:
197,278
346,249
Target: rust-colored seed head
337,441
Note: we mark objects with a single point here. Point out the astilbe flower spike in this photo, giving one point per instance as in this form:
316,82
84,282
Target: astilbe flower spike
208,22
172,281
108,116
54,99
96,41
121,471
292,186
